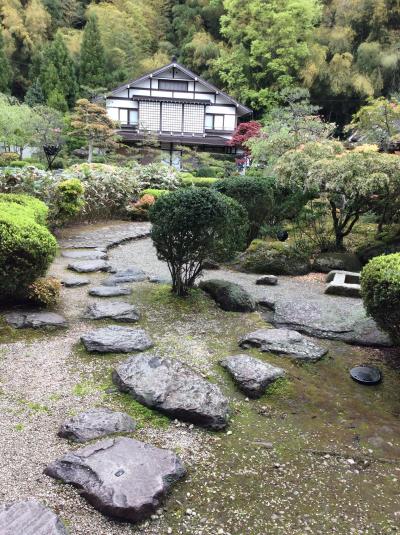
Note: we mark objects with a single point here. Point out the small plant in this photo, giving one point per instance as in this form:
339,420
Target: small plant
45,291
140,209
193,224
69,199
8,157
380,290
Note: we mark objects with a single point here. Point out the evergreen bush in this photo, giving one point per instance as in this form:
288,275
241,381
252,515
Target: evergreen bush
380,290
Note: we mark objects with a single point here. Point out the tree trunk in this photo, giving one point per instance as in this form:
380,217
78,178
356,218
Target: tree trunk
90,155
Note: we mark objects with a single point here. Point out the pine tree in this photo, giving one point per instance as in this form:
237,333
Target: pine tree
58,73
34,95
92,60
5,69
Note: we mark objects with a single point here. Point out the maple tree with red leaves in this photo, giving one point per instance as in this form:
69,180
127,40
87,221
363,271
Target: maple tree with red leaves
243,132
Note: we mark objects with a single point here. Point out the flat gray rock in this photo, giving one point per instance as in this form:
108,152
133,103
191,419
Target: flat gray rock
120,477
109,291
267,280
89,266
116,339
74,282
283,342
116,310
251,375
173,388
160,280
125,275
96,423
229,295
86,254
29,518
325,316
35,320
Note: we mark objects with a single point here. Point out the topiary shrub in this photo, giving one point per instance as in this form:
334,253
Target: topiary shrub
191,225
45,291
26,246
69,200
254,193
380,290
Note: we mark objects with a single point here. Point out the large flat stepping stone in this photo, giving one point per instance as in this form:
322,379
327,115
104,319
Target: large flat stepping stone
87,254
174,389
29,518
283,342
344,283
125,275
35,320
109,291
74,282
229,295
89,266
116,310
252,375
96,423
267,280
116,339
120,477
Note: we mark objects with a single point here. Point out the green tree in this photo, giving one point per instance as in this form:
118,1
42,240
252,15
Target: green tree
5,69
92,66
34,95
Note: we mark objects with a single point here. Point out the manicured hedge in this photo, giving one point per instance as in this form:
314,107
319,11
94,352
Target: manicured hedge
26,245
380,289
200,181
156,193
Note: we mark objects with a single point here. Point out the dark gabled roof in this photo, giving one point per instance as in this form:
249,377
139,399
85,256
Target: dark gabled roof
244,109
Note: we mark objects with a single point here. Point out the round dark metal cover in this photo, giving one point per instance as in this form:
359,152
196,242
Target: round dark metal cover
366,375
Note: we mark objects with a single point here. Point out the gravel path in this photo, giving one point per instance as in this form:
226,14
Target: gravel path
269,474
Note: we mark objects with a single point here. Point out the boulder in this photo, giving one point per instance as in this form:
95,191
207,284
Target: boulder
109,291
173,388
344,283
251,375
125,275
120,477
29,518
116,339
274,258
89,266
283,342
74,282
326,262
377,249
229,295
267,280
86,254
35,320
160,280
96,423
116,310
210,264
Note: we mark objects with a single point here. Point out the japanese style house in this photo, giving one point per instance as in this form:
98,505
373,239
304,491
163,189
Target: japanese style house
179,108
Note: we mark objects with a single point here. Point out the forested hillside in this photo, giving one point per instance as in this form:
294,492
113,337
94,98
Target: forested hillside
342,50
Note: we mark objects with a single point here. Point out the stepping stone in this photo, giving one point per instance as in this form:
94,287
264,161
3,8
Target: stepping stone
173,388
109,291
120,477
116,310
74,282
89,266
125,275
96,423
267,280
229,295
29,518
116,339
89,254
35,320
284,342
344,283
160,280
252,375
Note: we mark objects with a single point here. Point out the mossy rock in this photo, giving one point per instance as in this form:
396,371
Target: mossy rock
365,254
228,295
274,259
326,262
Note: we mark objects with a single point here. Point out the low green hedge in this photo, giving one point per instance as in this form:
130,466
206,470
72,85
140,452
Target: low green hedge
26,246
380,290
156,193
200,181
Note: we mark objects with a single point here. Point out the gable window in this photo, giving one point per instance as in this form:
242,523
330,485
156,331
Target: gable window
172,85
214,122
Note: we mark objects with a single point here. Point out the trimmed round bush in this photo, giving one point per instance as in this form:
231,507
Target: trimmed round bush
69,200
26,245
380,290
191,225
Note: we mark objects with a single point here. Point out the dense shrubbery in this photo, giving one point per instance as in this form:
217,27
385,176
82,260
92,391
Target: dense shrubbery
26,246
200,181
190,225
156,193
380,289
29,180
68,200
156,175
